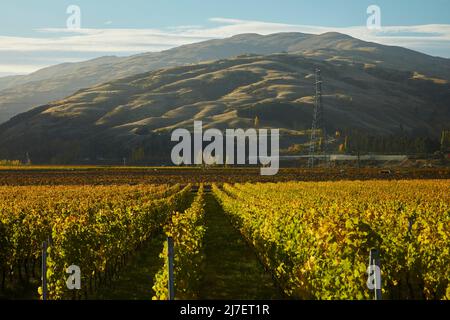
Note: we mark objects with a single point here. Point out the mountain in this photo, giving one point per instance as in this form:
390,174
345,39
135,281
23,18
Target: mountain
22,93
118,118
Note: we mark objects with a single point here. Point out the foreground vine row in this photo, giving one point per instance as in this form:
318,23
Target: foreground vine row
316,237
91,227
187,231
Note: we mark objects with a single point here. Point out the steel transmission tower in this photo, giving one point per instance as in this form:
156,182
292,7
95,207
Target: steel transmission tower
318,132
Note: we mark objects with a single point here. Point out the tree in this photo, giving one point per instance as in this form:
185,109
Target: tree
295,149
138,154
445,140
256,122
28,161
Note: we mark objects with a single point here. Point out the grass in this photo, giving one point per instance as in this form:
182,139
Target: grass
232,270
17,290
136,281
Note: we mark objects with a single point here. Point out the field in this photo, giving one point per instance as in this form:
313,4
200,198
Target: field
81,175
303,234
316,237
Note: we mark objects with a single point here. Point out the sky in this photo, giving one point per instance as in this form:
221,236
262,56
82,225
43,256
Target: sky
34,34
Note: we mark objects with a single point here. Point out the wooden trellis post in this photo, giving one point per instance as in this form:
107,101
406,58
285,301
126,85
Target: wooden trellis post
44,270
374,270
170,257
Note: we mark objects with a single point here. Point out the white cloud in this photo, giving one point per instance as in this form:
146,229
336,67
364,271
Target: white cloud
431,39
13,69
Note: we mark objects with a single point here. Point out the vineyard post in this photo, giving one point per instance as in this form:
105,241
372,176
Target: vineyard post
374,262
44,270
170,257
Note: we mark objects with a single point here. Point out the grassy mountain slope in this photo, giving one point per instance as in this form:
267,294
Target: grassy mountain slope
22,93
112,118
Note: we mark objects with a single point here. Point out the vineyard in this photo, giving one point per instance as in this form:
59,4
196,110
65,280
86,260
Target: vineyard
315,238
94,228
294,240
84,175
187,230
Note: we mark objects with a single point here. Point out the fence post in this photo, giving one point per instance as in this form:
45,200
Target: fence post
374,266
170,257
44,270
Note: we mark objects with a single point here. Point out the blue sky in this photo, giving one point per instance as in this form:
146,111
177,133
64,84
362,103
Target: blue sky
33,34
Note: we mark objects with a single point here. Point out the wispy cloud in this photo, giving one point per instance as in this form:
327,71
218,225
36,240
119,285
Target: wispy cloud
10,69
431,39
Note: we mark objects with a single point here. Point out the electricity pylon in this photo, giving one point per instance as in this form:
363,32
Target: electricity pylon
318,132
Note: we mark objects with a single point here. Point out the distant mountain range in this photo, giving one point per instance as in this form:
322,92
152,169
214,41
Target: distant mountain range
225,83
22,93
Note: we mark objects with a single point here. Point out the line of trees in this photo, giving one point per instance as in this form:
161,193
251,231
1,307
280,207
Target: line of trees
445,141
357,141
